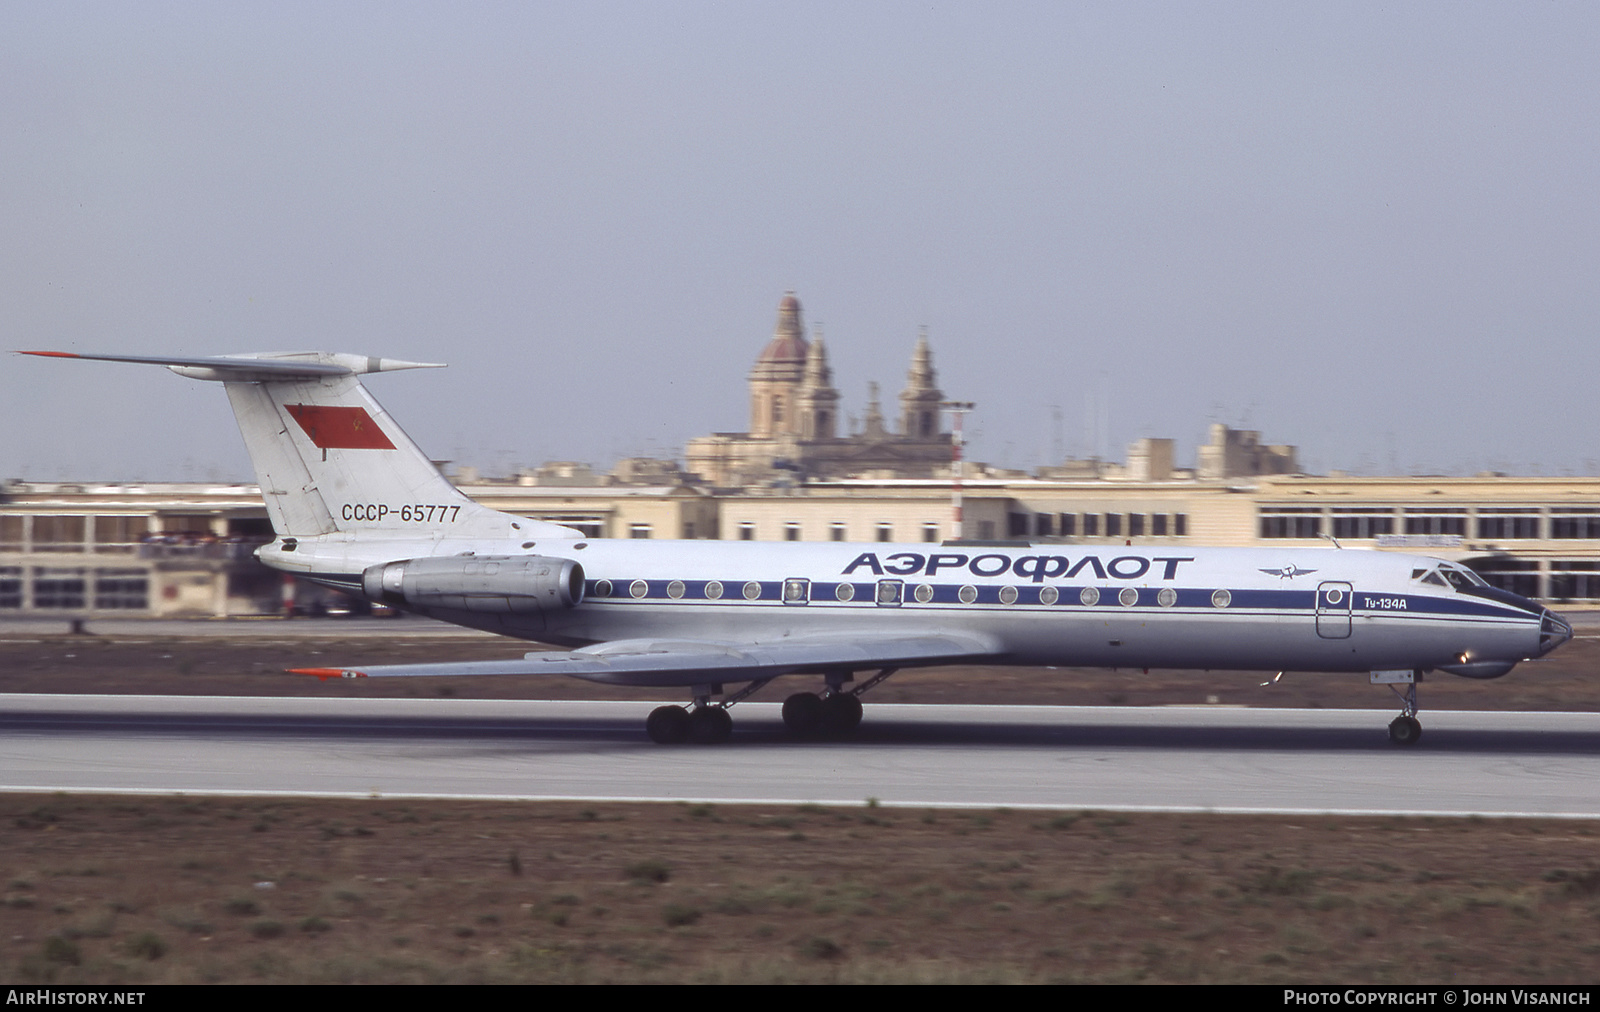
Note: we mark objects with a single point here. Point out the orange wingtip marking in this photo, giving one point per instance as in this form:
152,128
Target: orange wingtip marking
50,354
326,673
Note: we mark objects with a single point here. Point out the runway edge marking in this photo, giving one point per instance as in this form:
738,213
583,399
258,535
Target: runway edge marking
785,802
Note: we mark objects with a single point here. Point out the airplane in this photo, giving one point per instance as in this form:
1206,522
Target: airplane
357,506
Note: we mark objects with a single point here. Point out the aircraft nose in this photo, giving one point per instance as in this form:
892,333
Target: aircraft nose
1553,631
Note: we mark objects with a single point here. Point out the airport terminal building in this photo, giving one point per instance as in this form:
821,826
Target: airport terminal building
172,549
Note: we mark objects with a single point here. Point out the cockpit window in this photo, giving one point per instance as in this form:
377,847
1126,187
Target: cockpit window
1462,578
1447,575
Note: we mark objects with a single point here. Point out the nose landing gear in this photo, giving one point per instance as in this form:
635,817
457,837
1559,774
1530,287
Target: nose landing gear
1406,728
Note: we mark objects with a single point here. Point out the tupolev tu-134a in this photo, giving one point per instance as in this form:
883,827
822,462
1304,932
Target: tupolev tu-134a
356,505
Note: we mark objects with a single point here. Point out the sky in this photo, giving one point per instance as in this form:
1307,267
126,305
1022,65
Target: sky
1367,229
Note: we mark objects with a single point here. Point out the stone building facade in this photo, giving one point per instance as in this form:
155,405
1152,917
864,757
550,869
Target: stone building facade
794,432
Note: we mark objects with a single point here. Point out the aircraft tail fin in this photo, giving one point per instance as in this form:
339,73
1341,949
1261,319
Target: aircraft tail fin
328,457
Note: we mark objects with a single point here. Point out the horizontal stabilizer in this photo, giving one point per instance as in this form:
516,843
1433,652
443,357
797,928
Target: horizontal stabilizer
692,662
258,367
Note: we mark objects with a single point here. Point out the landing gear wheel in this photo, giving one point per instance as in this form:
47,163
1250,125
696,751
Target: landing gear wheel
710,725
841,714
667,725
802,713
1404,730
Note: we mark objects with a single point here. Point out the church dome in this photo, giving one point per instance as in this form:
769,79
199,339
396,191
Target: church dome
788,344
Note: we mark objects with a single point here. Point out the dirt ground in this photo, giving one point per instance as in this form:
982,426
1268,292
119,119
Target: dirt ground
148,890
151,890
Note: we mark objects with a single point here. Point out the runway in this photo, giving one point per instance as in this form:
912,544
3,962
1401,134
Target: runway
1108,758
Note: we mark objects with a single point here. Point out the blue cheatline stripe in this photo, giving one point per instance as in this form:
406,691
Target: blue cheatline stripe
1189,599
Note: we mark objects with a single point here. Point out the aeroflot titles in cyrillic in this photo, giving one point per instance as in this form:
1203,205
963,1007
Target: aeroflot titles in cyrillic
1037,568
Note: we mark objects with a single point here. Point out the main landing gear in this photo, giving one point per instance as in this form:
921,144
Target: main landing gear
834,713
1406,728
705,723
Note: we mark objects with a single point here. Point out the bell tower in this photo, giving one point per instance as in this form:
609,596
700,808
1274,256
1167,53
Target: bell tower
818,401
919,401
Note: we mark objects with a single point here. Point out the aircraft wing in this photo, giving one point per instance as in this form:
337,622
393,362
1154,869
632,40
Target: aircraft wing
692,662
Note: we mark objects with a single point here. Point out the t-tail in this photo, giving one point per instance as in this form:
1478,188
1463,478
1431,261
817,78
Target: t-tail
329,458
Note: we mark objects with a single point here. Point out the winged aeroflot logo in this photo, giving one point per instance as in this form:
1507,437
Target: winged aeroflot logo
1288,571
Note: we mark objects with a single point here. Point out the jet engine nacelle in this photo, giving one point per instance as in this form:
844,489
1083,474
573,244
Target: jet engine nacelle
495,584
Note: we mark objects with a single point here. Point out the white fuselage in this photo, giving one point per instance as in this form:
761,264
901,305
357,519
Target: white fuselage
1310,609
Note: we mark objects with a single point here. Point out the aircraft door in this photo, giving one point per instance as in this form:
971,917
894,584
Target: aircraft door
1333,610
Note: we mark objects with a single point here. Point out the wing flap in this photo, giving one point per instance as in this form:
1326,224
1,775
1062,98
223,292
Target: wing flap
691,662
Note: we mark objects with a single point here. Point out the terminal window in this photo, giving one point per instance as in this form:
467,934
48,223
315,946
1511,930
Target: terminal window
121,589
1575,581
1508,523
59,588
1568,522
119,533
1291,522
1362,521
1436,520
58,533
